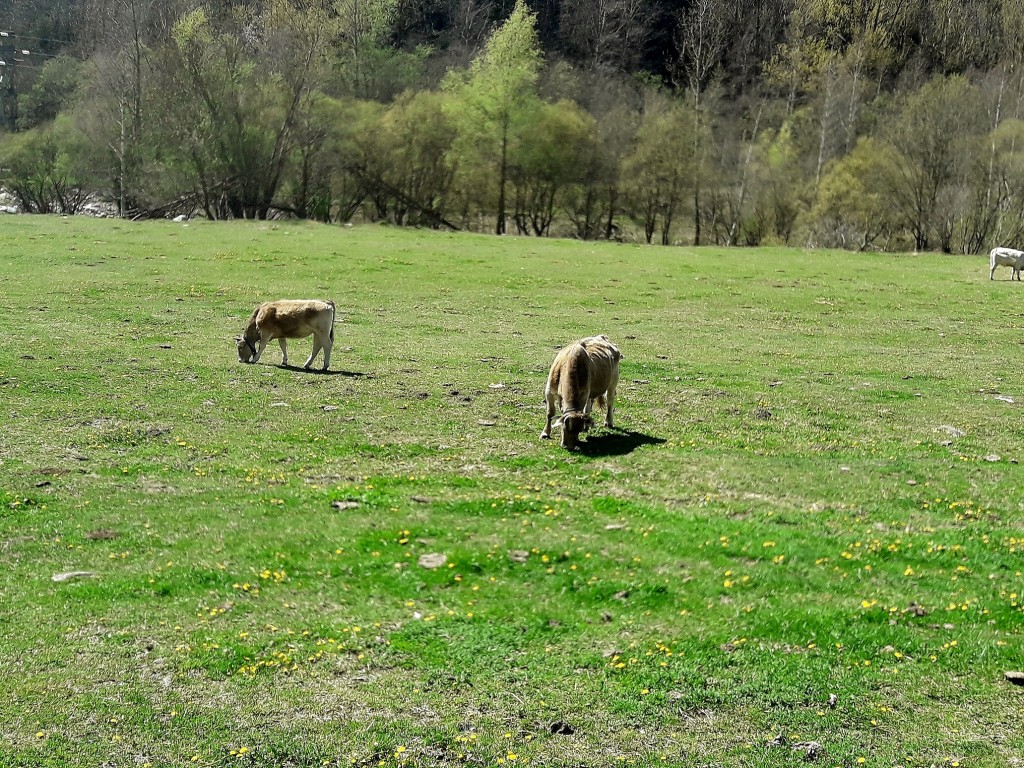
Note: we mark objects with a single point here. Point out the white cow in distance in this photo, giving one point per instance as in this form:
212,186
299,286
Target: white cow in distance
1005,257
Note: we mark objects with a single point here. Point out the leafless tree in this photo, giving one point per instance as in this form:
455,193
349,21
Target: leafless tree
607,34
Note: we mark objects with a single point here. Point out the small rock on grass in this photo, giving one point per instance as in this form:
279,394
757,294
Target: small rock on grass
812,750
1017,678
432,560
560,728
345,504
69,575
518,555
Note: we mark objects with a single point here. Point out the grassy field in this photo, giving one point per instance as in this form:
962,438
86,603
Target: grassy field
804,541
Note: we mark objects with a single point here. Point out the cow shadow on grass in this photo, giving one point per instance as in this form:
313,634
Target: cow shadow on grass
613,441
322,372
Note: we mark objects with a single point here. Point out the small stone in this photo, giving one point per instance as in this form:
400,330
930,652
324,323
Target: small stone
495,386
420,499
432,560
280,404
812,750
1017,678
559,728
330,408
614,527
518,555
993,457
69,575
345,504
484,423
916,609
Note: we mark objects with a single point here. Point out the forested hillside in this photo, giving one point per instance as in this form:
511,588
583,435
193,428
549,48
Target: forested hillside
869,124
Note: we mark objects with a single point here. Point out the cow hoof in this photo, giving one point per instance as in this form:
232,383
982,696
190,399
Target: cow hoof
545,436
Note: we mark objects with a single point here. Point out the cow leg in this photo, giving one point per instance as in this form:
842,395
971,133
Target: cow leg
284,351
611,400
327,344
259,350
312,355
546,432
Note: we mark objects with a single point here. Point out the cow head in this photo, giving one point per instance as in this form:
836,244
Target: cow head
573,425
246,350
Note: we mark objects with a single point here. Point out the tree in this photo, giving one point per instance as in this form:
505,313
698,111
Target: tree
555,147
413,140
700,41
493,102
51,91
659,169
851,209
926,138
607,34
245,80
368,67
47,168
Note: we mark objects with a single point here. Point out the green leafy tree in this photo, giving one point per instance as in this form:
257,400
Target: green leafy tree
51,91
414,139
493,103
47,168
658,172
777,189
244,82
852,209
555,148
368,67
927,138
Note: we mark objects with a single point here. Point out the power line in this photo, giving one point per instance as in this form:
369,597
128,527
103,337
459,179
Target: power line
4,33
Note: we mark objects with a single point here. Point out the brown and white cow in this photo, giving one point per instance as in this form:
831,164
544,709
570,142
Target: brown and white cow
288,319
583,372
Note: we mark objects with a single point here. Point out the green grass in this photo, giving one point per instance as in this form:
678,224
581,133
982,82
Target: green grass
786,516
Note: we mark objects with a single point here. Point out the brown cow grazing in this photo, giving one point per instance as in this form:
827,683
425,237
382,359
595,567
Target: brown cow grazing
583,372
288,319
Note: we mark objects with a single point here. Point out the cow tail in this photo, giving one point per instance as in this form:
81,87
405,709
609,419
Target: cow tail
334,314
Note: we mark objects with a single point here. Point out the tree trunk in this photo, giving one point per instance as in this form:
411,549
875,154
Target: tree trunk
499,227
